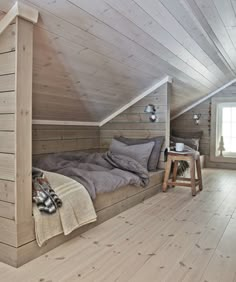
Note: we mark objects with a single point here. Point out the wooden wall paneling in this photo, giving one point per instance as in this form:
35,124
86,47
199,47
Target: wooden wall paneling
7,191
7,63
137,118
7,102
49,134
55,146
7,142
7,210
7,83
52,139
7,121
7,42
7,166
8,234
7,137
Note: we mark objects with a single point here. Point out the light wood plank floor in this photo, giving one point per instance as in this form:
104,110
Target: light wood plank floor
170,237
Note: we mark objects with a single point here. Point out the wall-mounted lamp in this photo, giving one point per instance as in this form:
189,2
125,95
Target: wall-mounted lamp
150,108
196,118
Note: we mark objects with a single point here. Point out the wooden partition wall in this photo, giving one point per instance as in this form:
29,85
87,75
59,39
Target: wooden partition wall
16,47
134,123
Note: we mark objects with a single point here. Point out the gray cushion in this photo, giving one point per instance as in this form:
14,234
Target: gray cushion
187,134
155,154
191,142
140,153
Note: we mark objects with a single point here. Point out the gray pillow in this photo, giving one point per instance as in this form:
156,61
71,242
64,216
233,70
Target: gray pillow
191,142
140,153
155,154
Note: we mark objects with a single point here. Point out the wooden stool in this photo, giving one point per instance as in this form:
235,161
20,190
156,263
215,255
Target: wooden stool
192,182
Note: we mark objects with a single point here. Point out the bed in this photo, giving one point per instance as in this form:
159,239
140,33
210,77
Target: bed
107,205
108,201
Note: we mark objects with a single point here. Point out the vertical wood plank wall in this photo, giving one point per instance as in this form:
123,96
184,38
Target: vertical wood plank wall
51,139
134,123
186,123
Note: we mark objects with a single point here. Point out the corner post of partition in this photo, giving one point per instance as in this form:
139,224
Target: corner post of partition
25,20
23,127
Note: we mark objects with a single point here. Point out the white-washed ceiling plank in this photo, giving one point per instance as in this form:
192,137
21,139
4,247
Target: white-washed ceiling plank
149,35
208,16
185,16
161,15
226,10
92,57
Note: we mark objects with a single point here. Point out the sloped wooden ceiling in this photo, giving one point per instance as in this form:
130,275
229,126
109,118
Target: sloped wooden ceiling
93,56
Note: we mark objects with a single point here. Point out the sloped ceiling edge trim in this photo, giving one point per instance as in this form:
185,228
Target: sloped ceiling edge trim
203,99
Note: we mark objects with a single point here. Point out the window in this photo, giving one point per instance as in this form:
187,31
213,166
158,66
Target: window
227,127
223,126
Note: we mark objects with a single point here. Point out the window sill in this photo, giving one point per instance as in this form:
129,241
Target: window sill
224,159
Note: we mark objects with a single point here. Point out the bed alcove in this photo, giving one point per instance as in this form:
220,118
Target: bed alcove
21,141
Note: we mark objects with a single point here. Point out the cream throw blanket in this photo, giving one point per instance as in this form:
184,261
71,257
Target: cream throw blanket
77,209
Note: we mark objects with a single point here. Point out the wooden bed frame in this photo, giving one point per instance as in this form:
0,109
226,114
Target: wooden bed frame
107,205
17,236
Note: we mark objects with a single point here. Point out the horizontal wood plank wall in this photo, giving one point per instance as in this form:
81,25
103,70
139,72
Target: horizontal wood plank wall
52,138
186,123
8,234
134,123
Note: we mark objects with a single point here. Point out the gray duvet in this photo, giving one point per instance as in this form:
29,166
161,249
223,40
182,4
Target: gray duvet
98,172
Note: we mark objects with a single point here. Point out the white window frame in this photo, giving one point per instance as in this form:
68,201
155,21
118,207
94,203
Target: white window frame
216,117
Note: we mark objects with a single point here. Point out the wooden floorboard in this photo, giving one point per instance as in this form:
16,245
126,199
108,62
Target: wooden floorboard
169,237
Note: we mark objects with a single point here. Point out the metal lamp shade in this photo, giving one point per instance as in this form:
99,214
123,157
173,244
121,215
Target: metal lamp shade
149,109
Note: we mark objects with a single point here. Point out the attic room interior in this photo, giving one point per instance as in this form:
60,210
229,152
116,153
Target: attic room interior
118,140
